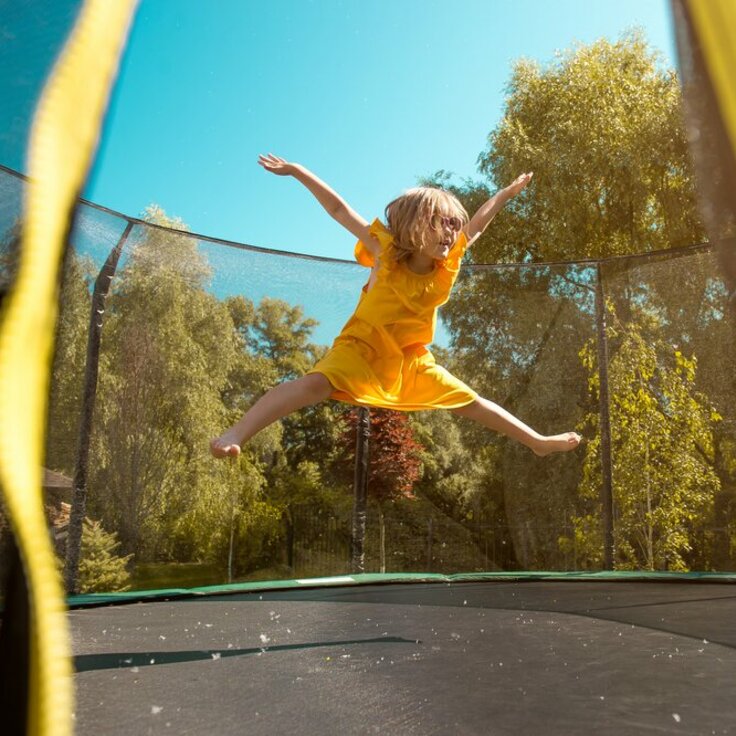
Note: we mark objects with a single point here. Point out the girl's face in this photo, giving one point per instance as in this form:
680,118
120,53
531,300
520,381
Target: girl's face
441,234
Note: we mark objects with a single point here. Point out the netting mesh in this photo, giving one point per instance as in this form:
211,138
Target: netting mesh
194,330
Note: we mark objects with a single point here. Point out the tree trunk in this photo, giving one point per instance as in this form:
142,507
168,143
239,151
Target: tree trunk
288,520
430,540
360,490
382,533
650,525
230,549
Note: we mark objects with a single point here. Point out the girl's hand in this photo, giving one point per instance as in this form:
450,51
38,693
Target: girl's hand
519,183
276,165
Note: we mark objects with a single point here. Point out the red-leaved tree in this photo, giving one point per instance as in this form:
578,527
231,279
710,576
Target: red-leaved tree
394,464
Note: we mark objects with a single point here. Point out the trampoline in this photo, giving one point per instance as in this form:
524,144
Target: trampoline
551,656
408,652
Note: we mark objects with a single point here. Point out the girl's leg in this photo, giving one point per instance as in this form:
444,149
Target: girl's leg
495,417
276,403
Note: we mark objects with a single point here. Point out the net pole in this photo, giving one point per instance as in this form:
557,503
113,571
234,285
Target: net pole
360,487
605,423
94,337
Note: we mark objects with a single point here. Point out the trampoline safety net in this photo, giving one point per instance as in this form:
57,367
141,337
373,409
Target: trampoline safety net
186,332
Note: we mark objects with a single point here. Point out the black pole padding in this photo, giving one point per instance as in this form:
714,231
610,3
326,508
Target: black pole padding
15,641
94,337
605,424
360,488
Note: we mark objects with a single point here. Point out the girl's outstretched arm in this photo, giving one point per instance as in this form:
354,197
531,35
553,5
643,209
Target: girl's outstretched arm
480,220
333,203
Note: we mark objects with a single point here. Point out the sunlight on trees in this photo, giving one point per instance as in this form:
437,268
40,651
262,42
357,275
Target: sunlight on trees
600,126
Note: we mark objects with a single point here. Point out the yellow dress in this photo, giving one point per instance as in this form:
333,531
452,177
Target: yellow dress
381,358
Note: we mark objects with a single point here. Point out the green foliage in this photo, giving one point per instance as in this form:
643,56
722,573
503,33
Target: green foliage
449,474
162,575
166,352
101,569
177,365
70,353
601,128
233,514
663,453
301,468
303,486
463,479
419,538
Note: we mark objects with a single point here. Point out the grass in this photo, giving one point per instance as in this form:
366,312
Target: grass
161,575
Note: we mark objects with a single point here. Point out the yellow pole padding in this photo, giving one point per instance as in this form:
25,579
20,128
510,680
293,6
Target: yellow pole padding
63,140
714,22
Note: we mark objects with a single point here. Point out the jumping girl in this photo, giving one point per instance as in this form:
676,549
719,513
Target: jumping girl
381,358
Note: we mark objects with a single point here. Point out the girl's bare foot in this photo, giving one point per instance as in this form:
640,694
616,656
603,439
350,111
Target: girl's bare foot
226,445
557,443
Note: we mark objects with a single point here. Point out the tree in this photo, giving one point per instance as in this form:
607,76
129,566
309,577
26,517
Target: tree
167,349
601,129
101,569
70,345
462,478
394,464
308,498
233,523
450,474
300,471
67,375
662,436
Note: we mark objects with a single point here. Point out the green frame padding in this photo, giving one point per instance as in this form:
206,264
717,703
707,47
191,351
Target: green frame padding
627,576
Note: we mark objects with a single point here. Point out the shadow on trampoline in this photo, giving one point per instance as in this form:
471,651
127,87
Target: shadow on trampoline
126,660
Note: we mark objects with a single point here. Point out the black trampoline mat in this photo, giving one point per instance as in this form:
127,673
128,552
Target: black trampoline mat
463,658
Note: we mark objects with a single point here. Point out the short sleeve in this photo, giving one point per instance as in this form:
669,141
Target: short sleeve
379,231
455,256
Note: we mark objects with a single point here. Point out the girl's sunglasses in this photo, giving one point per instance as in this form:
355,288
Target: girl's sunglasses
439,222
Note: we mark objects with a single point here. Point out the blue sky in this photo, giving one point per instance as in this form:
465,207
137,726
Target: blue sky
369,95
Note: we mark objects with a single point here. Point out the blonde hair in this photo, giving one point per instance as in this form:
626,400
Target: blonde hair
409,217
